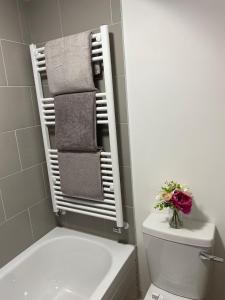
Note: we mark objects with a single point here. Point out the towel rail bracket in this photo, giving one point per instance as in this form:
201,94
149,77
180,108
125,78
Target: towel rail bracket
60,212
119,229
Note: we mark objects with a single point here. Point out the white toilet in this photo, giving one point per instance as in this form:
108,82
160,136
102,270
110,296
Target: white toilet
179,260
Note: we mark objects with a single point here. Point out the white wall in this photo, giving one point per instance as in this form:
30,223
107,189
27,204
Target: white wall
175,65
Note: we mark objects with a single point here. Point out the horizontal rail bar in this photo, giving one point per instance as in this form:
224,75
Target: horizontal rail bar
94,204
107,178
87,208
106,166
106,172
52,123
86,213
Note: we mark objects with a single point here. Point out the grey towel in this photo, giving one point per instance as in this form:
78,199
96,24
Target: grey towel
68,64
75,122
80,175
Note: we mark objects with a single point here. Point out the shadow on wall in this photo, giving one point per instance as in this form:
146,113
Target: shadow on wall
216,286
218,273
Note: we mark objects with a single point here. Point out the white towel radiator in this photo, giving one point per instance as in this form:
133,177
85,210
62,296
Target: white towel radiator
111,207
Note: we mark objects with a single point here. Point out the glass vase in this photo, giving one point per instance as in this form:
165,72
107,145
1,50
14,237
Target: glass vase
175,218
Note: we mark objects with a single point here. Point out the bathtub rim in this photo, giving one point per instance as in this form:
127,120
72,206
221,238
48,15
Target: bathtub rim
119,254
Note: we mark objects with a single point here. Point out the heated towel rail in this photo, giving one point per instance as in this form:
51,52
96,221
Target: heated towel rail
111,207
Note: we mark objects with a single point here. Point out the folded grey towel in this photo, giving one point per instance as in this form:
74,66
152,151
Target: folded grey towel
68,64
75,122
80,175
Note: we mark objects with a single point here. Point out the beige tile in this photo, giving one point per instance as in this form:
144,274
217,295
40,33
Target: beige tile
16,110
31,146
120,99
9,20
46,180
42,218
126,185
43,18
84,223
22,190
78,16
9,158
15,236
18,64
116,43
116,13
123,144
2,71
2,214
35,106
23,14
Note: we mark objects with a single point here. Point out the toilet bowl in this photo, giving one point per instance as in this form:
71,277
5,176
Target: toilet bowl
177,258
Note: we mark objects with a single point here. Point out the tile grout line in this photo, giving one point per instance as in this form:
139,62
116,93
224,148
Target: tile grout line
43,177
20,20
21,171
18,129
3,206
17,144
22,211
111,16
4,65
31,226
16,86
11,41
60,17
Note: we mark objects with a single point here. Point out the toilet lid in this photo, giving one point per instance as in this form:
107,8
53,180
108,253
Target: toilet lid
155,293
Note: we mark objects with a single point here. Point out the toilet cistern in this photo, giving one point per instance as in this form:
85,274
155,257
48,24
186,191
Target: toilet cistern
179,259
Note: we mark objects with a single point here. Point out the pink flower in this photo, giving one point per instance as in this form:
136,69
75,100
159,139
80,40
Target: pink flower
182,201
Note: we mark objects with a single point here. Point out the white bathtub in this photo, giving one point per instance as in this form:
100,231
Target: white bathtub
67,265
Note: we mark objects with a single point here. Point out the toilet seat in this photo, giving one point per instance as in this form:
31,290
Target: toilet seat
155,293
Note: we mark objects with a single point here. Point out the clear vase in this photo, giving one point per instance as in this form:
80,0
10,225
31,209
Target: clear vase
175,218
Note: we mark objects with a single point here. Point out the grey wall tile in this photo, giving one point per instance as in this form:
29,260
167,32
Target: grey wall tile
84,223
25,30
2,214
83,15
9,158
31,146
46,180
126,185
22,190
116,44
42,218
35,106
16,110
9,20
2,70
43,18
15,236
123,144
18,64
116,11
120,98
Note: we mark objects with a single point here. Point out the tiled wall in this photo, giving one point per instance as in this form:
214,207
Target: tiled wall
25,213
50,19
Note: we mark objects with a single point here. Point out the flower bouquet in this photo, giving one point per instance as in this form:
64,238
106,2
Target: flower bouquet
178,199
